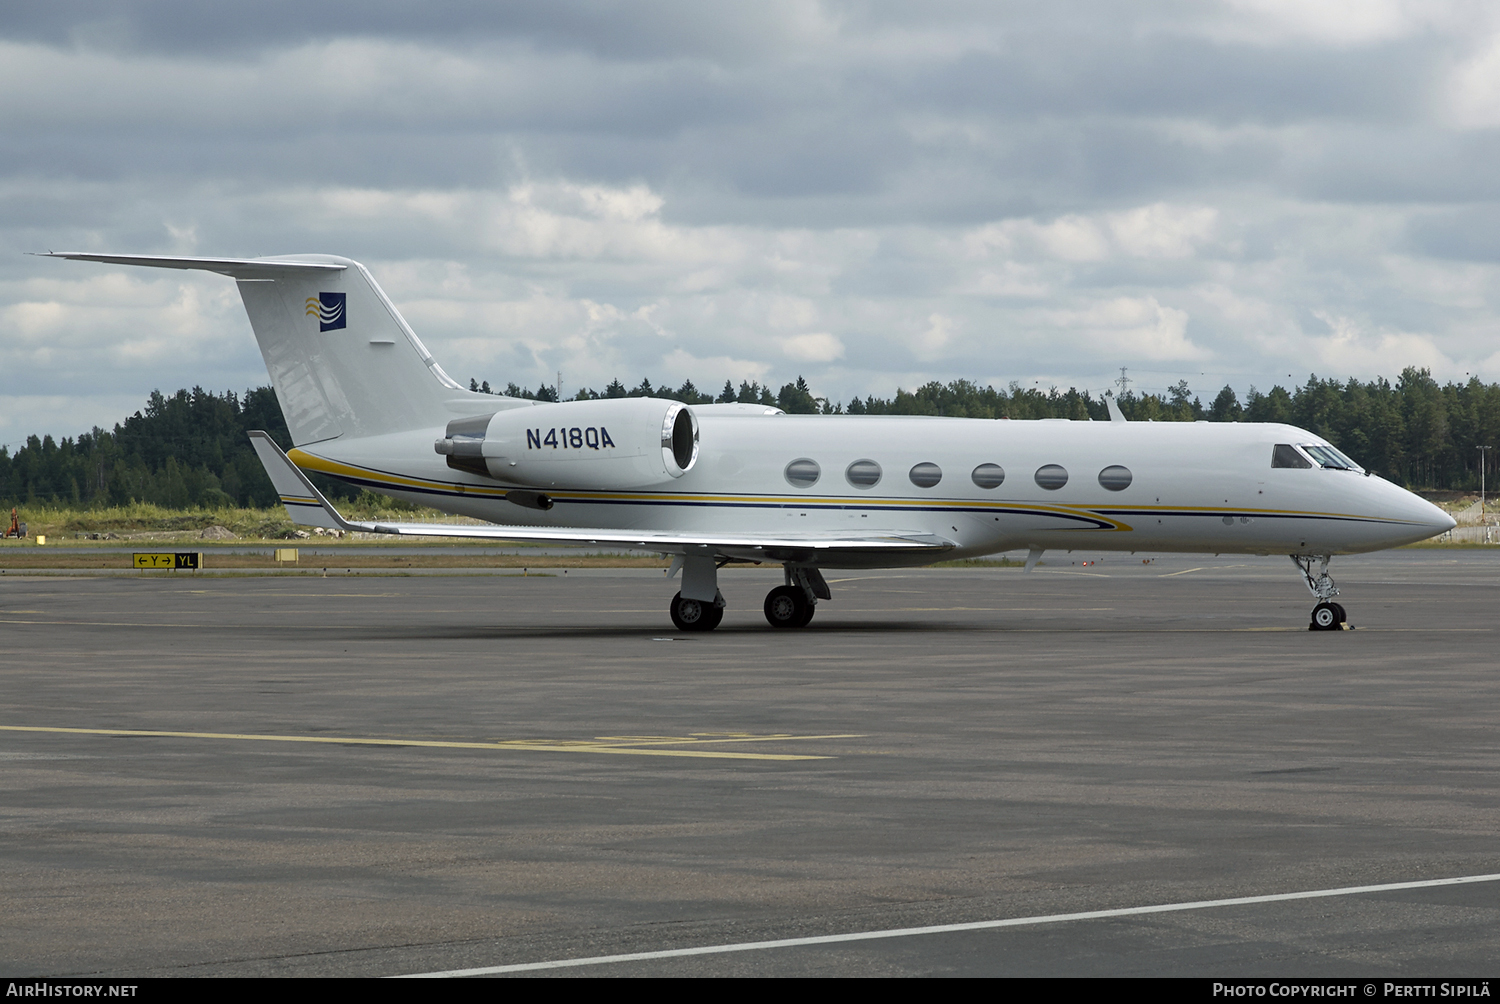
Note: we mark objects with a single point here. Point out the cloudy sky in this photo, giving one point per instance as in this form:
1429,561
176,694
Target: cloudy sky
870,194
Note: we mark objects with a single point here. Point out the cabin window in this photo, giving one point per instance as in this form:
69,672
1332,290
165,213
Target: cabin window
1115,478
926,475
863,474
1051,477
803,473
1286,455
989,475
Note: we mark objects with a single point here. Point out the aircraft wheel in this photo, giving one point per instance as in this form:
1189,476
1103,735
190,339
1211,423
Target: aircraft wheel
812,608
695,615
1325,618
786,607
1338,608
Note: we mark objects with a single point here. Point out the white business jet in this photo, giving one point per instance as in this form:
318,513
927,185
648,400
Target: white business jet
713,484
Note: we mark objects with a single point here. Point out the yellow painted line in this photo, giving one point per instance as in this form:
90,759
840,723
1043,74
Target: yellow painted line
1064,571
707,738
276,594
139,624
542,746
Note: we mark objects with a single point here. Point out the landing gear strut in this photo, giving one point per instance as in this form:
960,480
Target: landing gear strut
1327,615
793,605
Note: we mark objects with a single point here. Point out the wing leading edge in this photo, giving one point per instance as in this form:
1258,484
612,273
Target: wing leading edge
306,506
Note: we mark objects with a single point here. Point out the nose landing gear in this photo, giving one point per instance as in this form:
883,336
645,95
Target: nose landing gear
1327,615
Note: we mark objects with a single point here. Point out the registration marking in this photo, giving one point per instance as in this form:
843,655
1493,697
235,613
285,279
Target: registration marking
619,745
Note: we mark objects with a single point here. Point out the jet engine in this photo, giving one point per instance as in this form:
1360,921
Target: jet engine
618,444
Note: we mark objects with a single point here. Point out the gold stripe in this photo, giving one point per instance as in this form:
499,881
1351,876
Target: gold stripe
309,461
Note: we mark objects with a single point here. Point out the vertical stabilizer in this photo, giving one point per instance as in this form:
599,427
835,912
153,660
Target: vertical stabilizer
343,360
341,357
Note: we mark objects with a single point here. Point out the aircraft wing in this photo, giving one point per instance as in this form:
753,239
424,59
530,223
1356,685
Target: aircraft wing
307,507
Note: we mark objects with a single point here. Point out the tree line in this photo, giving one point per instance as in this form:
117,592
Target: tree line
190,449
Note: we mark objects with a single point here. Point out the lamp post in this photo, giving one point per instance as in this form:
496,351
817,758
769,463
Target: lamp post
1481,485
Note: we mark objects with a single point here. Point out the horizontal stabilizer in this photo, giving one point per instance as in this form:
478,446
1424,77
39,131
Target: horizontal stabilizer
306,506
238,268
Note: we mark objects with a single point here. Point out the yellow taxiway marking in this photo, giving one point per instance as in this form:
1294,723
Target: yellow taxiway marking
1065,571
626,745
276,594
139,624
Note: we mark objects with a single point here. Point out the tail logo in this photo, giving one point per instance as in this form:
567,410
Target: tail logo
328,308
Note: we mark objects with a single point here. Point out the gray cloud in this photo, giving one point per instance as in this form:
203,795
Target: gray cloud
867,193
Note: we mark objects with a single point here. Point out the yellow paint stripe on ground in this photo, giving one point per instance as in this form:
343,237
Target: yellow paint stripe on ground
707,738
541,746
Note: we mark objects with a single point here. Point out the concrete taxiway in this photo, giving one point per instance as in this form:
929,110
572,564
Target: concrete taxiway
405,775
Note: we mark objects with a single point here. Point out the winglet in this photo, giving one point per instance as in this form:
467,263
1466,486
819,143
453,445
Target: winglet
1033,555
1115,414
305,505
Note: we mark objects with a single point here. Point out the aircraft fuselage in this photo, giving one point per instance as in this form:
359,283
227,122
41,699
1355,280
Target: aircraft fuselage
1133,486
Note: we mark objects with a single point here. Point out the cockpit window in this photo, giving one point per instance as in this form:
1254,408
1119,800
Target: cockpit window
1329,457
1286,455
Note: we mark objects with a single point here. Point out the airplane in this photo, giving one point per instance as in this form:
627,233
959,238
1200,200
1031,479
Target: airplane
709,485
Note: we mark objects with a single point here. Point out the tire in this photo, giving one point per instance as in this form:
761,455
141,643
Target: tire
786,607
1338,608
695,615
1324,618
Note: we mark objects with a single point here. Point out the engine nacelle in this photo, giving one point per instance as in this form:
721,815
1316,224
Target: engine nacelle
622,443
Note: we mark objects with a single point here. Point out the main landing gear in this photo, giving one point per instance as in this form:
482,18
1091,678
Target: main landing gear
700,605
786,607
793,605
1327,615
697,615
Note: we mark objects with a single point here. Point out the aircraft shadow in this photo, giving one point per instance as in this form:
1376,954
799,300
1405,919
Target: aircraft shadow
472,632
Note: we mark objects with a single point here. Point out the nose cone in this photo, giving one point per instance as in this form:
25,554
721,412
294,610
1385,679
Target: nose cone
1437,520
1426,520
